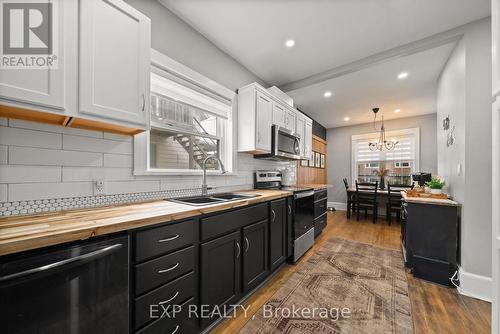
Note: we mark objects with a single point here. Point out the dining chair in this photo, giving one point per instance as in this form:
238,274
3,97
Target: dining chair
350,199
394,200
366,199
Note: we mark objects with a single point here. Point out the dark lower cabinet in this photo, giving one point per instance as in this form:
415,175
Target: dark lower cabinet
220,272
255,251
278,237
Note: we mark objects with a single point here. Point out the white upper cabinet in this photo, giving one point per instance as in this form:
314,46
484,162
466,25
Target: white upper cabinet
258,110
279,114
263,123
114,61
308,139
48,88
301,130
290,120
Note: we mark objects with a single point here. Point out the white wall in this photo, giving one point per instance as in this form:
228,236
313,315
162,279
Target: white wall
464,93
340,151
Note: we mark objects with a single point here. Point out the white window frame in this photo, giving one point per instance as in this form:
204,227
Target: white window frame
193,87
394,133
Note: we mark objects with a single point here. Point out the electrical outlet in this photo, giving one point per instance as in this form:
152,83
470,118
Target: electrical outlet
99,187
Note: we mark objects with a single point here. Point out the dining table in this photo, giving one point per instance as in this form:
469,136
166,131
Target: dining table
352,191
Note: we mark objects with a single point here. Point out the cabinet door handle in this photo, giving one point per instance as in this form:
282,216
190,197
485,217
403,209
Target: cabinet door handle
143,101
168,269
273,215
239,249
169,239
248,244
176,329
258,137
171,298
289,209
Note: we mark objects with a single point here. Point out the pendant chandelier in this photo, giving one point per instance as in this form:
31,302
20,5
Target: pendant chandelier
382,143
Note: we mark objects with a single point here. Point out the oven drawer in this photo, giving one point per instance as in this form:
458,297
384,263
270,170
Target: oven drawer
320,194
320,207
179,323
173,293
161,240
153,273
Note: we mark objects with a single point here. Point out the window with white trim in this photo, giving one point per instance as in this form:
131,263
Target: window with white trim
401,162
189,120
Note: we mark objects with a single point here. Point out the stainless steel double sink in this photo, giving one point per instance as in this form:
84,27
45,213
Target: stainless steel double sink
212,199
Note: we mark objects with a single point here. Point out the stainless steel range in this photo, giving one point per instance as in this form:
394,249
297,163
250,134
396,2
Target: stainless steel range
302,209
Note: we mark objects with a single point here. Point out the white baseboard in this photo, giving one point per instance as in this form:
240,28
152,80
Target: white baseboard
338,206
476,286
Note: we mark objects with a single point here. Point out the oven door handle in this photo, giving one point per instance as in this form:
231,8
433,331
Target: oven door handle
80,258
303,194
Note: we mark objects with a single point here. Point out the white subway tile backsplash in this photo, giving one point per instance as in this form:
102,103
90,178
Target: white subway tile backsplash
3,193
31,138
3,154
36,191
48,157
125,187
55,166
118,137
29,174
117,160
78,143
72,174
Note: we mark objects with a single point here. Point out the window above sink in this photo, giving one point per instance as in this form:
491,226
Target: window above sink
190,119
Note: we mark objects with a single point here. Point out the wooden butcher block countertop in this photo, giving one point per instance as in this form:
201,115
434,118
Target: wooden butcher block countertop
23,233
315,186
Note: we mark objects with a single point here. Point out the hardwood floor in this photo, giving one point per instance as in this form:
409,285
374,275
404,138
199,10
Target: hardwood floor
435,309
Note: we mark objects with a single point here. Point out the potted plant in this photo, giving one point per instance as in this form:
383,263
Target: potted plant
436,185
381,173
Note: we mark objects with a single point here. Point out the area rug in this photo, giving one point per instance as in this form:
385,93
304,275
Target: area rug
348,287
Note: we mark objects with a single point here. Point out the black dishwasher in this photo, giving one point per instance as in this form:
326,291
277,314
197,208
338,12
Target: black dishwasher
78,288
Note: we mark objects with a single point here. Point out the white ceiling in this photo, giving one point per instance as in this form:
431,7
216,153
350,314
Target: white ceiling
327,33
331,35
355,94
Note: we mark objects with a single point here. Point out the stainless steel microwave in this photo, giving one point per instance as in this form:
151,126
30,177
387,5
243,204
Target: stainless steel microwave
285,145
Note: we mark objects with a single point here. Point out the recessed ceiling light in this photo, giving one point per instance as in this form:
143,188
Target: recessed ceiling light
327,94
402,75
346,119
397,110
290,43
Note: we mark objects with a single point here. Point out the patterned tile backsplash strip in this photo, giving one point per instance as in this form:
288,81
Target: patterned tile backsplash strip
60,204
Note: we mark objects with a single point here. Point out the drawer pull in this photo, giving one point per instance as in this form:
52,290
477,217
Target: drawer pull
274,215
170,299
176,329
169,269
169,239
